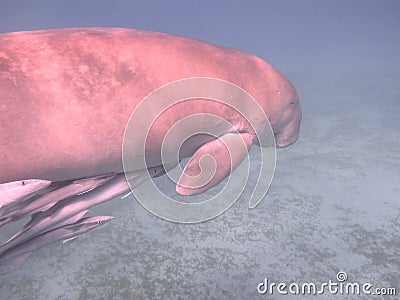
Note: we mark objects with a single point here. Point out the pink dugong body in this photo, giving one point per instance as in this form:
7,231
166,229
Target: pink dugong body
66,96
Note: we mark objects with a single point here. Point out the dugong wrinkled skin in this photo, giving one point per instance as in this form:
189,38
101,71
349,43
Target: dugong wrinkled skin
66,96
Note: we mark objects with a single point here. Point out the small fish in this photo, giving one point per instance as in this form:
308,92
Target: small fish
71,210
12,193
21,252
46,201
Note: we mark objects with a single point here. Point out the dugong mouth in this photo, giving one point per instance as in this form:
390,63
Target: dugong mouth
282,140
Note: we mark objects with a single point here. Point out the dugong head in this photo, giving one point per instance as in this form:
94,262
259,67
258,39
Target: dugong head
285,114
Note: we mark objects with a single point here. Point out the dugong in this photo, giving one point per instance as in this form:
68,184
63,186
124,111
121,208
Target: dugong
66,96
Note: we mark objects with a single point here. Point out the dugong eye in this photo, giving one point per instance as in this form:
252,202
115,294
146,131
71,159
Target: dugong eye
291,104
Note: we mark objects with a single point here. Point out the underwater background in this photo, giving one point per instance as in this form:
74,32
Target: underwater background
334,203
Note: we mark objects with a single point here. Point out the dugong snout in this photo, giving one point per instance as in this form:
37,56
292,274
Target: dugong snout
288,128
282,141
